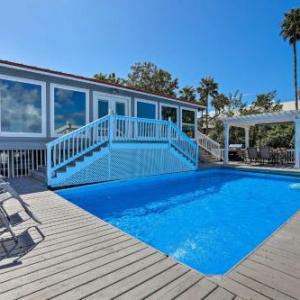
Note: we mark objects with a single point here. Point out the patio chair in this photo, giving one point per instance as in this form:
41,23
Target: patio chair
283,156
14,247
7,193
252,154
6,224
265,154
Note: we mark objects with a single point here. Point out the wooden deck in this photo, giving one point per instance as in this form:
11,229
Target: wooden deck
84,257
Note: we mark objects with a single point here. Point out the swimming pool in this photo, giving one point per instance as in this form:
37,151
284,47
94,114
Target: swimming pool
207,219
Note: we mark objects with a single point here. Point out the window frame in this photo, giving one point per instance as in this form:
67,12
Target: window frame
161,105
195,121
43,132
52,100
109,98
136,100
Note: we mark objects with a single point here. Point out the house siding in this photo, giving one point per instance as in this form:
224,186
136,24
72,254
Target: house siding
38,143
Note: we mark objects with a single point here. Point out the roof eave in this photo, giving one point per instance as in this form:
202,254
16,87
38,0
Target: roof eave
59,74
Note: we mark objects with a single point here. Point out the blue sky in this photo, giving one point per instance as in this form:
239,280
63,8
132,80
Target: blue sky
235,41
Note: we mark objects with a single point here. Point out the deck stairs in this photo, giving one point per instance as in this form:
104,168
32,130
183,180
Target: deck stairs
117,147
206,157
210,150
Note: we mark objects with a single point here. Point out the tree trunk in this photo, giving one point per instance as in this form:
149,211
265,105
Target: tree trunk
295,75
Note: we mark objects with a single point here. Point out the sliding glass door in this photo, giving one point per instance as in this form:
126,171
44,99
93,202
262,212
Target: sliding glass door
104,104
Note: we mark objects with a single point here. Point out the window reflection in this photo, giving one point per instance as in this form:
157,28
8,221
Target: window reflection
102,108
169,112
21,107
188,122
69,110
146,110
120,109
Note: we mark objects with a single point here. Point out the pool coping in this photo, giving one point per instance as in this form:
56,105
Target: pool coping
259,245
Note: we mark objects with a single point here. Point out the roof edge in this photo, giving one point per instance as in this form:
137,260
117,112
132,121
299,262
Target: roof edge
8,63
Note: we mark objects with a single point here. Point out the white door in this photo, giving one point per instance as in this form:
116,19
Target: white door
104,104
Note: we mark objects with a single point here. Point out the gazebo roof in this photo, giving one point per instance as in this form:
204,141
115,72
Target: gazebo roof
264,118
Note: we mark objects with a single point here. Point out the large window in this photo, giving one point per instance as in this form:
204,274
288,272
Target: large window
22,107
146,109
169,112
69,109
188,118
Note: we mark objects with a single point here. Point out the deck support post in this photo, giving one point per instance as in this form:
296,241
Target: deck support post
297,140
226,142
247,130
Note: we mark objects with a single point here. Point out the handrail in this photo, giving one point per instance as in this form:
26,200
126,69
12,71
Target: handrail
78,129
211,146
141,129
184,143
72,145
113,128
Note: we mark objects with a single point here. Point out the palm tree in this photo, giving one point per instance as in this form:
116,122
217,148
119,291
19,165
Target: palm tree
290,30
188,93
207,88
219,102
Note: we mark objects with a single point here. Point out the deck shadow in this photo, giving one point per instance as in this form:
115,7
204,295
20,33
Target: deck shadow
11,252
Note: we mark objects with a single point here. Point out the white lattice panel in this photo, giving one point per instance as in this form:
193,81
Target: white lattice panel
126,161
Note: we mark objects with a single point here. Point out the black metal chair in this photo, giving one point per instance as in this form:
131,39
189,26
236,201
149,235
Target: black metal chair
252,154
265,154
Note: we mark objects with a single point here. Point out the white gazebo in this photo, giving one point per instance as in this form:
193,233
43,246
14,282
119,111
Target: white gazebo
247,121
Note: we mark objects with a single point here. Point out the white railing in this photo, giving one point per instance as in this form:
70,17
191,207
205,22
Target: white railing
290,157
183,143
113,128
20,162
210,145
140,129
71,146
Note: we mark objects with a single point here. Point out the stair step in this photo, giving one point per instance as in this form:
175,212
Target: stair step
39,175
205,156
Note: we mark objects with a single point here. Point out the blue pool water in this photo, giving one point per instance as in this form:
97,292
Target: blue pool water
208,219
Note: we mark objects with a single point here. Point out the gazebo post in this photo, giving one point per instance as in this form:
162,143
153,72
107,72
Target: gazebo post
226,142
247,130
297,140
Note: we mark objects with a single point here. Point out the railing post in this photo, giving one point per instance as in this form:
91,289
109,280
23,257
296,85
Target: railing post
49,163
110,129
169,131
297,140
226,142
110,140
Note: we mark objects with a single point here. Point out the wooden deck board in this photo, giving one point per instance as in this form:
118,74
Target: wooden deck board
199,290
220,294
84,257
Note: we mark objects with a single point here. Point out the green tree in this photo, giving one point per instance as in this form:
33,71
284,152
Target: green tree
236,104
230,105
188,93
262,104
112,78
208,88
147,76
290,30
219,103
267,135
